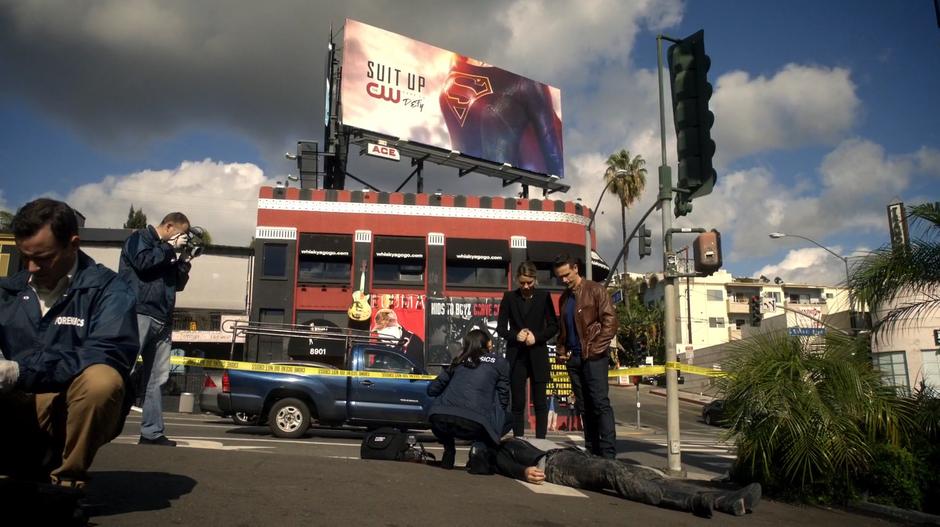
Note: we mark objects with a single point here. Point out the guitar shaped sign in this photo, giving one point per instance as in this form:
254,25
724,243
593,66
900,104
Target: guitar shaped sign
360,310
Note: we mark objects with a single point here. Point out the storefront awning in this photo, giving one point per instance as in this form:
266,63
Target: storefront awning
599,267
597,261
480,251
399,247
326,245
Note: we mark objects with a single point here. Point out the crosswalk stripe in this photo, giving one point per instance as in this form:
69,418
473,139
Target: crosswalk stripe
555,490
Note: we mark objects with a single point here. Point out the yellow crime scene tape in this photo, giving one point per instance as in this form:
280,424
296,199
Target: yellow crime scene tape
296,370
310,370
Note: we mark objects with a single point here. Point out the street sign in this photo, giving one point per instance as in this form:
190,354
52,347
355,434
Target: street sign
617,296
688,350
936,337
806,332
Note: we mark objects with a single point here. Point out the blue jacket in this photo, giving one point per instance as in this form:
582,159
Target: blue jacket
480,394
154,273
94,323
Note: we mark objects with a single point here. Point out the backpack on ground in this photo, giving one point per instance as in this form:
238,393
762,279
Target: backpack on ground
388,444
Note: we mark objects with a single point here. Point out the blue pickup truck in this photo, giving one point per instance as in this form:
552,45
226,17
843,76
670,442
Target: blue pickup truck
289,403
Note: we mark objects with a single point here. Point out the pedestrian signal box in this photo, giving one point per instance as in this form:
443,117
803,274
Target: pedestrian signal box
707,252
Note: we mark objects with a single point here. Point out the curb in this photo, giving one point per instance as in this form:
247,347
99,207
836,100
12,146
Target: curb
893,513
685,398
630,430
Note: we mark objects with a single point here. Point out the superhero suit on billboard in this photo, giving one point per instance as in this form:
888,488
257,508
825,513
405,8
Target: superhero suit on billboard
499,116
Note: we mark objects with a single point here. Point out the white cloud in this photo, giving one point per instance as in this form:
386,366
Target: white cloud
222,197
928,161
856,181
798,106
558,47
807,266
857,167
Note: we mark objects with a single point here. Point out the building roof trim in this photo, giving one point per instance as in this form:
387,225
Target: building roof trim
339,207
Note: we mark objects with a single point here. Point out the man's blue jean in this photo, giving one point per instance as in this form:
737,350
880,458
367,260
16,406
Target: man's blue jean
155,351
589,384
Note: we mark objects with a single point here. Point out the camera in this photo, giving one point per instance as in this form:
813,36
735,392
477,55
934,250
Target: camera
195,243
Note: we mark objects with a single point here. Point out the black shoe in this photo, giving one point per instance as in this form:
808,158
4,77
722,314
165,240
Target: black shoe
739,502
159,441
479,459
447,460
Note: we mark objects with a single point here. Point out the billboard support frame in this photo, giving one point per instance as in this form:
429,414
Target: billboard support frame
464,164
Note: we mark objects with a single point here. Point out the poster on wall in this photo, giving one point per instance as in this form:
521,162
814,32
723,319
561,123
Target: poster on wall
560,386
397,86
449,319
398,319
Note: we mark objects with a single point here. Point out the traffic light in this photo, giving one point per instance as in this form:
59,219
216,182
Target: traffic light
644,241
688,78
707,252
754,305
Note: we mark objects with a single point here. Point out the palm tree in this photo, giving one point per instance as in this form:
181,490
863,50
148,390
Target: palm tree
625,177
6,220
903,282
641,331
803,416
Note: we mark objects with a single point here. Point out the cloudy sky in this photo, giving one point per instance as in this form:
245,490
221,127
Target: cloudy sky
825,111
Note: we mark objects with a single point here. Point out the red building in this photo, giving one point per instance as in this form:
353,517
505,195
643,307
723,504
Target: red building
433,266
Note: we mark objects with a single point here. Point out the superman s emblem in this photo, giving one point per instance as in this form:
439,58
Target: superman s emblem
461,90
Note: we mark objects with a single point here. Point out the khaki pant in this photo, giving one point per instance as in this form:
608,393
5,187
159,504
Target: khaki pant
59,433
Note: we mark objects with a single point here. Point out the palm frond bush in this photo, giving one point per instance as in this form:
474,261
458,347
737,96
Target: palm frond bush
803,414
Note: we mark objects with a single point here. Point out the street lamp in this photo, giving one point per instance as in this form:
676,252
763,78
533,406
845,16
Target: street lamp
845,261
587,230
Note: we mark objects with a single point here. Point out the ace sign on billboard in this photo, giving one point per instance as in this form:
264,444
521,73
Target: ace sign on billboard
396,86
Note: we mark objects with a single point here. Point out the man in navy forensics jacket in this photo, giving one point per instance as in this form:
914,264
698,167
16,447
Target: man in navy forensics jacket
68,336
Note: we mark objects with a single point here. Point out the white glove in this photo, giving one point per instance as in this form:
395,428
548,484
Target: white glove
9,373
178,240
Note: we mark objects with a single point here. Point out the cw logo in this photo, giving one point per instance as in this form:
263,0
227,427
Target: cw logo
382,92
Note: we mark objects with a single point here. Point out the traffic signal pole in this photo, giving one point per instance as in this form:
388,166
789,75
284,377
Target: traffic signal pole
673,442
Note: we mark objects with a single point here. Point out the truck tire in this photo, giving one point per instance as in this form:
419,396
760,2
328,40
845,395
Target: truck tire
243,419
289,418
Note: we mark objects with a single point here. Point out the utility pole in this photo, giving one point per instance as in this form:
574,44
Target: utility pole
673,443
688,291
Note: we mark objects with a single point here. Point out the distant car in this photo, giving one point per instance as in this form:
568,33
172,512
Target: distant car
713,413
660,380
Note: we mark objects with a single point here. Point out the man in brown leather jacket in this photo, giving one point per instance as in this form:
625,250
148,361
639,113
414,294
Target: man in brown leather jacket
587,325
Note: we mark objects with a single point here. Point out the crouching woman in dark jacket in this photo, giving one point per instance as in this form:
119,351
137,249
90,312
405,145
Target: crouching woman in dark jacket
471,397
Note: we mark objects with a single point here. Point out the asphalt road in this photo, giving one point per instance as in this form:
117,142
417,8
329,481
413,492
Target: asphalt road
228,475
705,456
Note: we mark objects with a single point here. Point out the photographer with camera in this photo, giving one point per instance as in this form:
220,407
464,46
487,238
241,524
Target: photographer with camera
155,261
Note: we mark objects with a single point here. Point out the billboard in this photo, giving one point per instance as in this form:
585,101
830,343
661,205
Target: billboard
404,88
